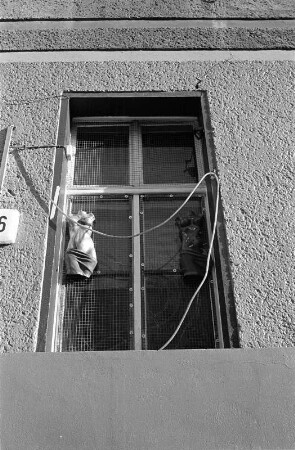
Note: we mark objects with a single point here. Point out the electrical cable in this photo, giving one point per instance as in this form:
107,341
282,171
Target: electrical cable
34,100
35,147
205,276
212,174
31,147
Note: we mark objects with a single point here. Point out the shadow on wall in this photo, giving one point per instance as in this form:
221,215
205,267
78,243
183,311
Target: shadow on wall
228,309
29,181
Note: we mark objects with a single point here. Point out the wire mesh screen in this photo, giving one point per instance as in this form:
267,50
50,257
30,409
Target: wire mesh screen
102,155
167,292
168,154
97,313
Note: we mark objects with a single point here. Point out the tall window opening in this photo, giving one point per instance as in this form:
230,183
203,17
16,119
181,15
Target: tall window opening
132,171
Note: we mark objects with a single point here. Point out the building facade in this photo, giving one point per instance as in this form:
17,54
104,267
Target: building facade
120,109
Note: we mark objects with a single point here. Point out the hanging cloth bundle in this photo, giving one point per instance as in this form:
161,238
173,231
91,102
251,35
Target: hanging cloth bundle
193,255
80,257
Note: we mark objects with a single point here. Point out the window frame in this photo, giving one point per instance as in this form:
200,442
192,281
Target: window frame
70,136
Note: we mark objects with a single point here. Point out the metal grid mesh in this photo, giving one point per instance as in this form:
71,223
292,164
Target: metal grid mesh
166,292
168,154
97,313
102,155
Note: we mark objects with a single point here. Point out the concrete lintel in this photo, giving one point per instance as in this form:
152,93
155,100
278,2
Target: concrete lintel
137,56
147,35
112,9
146,23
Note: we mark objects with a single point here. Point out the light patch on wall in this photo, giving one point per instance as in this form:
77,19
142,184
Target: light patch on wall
219,24
9,220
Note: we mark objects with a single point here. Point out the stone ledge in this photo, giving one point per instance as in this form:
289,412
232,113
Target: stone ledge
192,399
100,9
147,38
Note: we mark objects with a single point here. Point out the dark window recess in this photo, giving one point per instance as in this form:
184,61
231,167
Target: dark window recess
167,297
167,293
168,154
156,106
102,156
138,292
97,314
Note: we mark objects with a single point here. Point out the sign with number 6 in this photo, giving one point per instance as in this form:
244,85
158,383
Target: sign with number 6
9,220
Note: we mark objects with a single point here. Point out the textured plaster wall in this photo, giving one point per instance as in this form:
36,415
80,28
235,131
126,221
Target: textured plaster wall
28,181
252,111
26,9
161,37
201,400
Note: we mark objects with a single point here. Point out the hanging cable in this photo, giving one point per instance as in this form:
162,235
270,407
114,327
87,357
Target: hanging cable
34,100
206,272
211,174
33,147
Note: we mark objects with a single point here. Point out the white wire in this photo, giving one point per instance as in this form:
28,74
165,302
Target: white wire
206,273
149,229
158,226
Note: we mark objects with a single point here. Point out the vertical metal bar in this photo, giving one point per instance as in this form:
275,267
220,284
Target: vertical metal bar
144,293
214,279
53,311
136,172
132,149
139,157
3,162
199,155
60,295
71,163
50,345
53,206
136,273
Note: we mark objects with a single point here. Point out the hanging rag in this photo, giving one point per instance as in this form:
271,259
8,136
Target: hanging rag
193,254
80,256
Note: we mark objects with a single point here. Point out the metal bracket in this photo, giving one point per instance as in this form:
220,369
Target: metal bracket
69,152
55,199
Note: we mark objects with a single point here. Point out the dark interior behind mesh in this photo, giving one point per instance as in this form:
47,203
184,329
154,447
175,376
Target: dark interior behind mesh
168,154
167,294
97,313
102,156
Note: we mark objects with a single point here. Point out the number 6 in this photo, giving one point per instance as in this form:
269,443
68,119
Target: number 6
2,223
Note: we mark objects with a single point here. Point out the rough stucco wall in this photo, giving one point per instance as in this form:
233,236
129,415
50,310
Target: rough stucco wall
166,37
25,9
29,175
254,141
251,106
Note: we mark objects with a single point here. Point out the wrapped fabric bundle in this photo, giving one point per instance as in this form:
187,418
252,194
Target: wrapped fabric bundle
79,263
80,257
193,254
192,264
